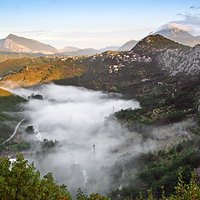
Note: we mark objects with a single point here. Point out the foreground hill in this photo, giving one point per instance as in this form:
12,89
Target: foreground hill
14,43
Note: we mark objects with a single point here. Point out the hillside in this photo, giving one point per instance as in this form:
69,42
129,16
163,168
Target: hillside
15,65
178,61
33,71
8,103
4,93
12,55
155,44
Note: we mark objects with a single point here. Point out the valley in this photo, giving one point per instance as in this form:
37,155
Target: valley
148,141
99,100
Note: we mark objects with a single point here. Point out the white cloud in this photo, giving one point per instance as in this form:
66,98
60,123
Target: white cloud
179,26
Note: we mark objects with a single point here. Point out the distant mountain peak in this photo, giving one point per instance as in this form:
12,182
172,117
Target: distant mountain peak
128,45
179,33
69,49
14,43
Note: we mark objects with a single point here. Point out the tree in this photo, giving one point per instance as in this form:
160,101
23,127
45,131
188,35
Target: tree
21,181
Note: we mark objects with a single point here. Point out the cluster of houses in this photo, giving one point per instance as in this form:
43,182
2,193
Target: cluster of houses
131,57
115,68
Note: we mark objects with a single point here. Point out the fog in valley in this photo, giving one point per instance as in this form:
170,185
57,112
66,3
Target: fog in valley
93,149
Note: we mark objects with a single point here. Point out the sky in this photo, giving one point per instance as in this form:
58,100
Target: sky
94,23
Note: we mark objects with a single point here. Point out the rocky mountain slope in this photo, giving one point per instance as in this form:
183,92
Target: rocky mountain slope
178,61
13,43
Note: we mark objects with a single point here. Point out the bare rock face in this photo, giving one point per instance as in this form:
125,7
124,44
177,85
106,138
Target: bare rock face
177,61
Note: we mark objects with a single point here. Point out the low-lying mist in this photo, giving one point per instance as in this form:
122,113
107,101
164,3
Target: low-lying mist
92,146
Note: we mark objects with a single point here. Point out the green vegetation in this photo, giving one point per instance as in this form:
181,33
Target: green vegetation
9,103
94,196
157,116
165,104
15,147
7,120
161,170
21,181
183,191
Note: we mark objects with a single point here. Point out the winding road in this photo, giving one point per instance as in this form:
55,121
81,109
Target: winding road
14,133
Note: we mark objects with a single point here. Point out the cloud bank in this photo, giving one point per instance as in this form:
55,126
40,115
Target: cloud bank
78,119
95,152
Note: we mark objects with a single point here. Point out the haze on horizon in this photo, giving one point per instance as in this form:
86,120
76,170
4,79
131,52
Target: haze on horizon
94,24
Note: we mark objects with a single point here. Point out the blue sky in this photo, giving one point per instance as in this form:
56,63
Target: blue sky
93,23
